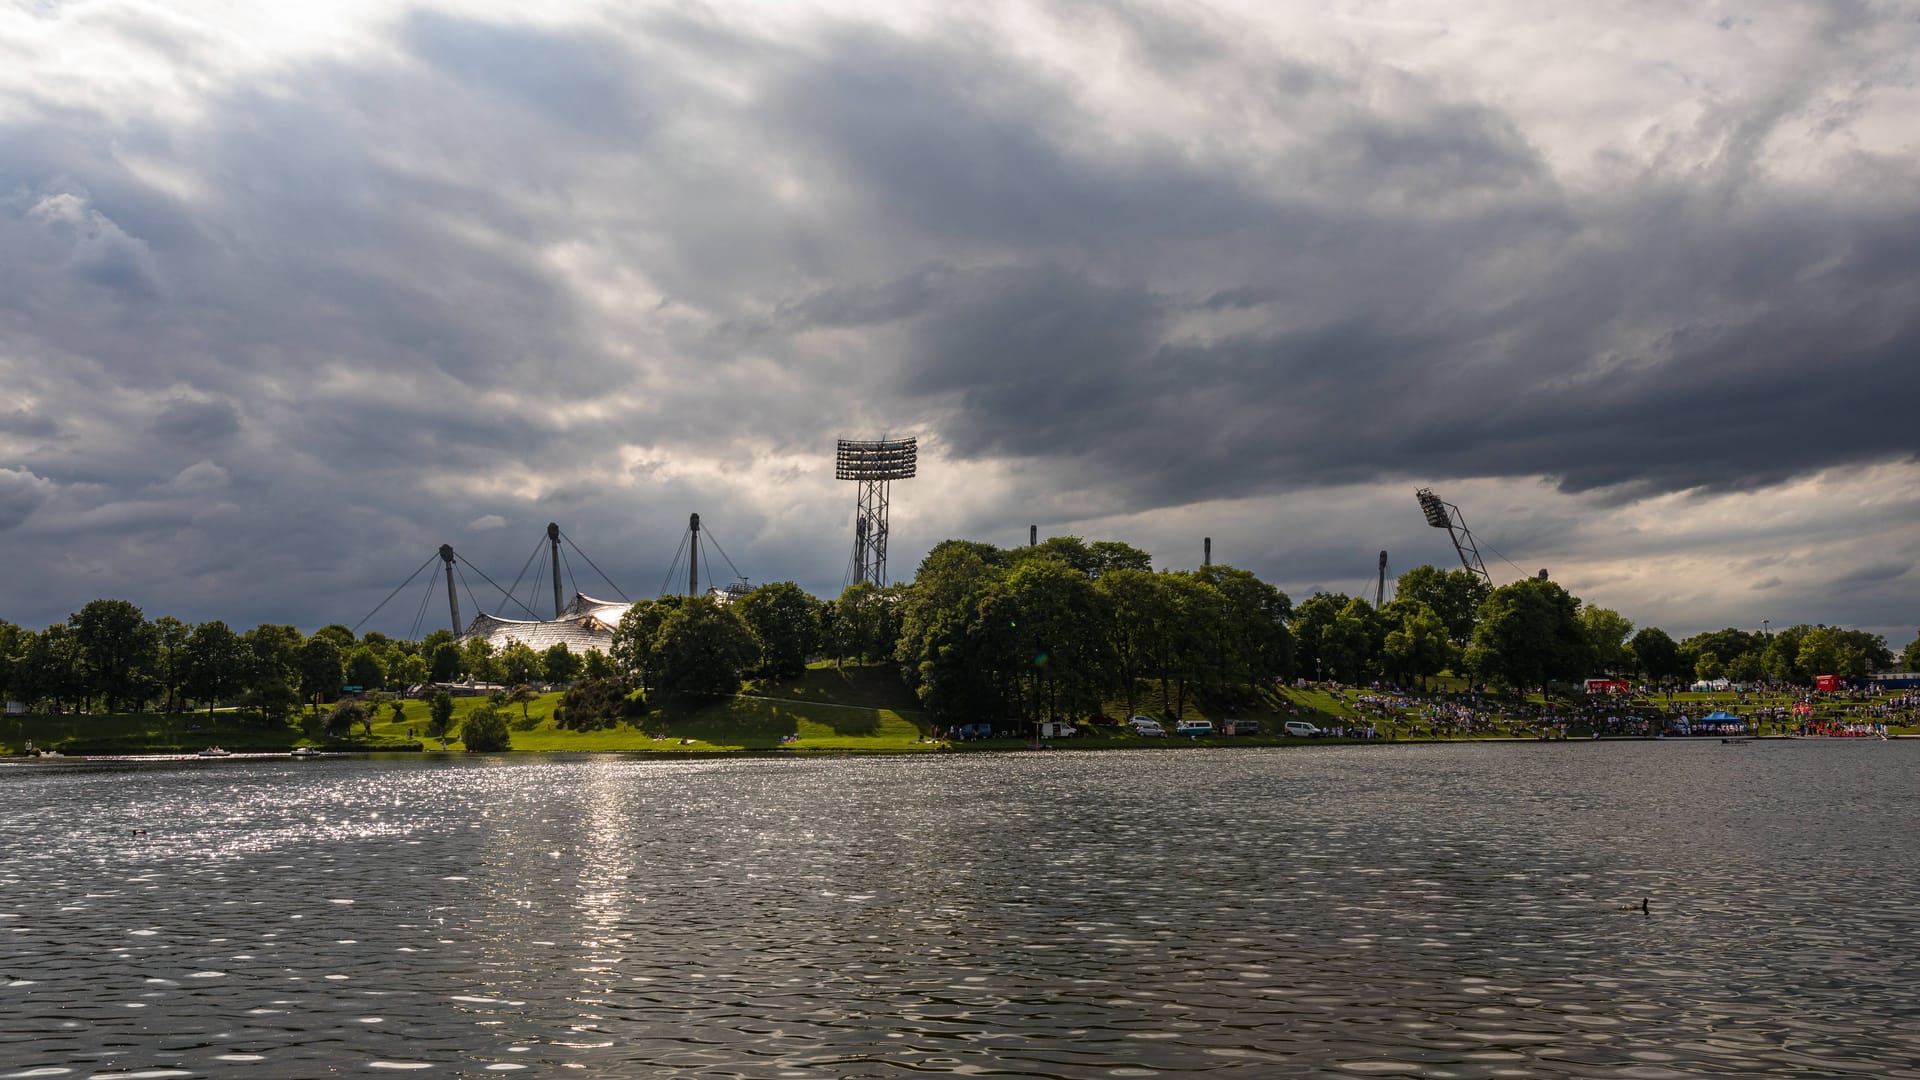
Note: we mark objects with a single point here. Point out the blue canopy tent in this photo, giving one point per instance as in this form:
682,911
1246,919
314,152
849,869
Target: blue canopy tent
1721,718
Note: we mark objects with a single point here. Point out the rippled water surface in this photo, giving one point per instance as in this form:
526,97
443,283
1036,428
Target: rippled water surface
1443,911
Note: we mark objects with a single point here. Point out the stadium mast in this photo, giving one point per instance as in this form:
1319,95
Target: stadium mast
1445,515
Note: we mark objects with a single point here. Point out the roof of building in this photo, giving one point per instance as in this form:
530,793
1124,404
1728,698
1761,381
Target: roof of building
585,625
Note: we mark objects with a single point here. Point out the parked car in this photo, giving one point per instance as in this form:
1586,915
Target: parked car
1145,725
1302,729
1051,730
1240,727
1193,727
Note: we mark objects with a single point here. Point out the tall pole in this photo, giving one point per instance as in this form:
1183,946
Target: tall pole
1380,590
553,538
693,557
1206,551
1033,535
453,598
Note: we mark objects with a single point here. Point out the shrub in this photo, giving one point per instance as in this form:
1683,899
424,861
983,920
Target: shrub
486,730
598,703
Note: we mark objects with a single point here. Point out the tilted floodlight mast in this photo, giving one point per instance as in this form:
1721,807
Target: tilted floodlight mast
1445,515
874,464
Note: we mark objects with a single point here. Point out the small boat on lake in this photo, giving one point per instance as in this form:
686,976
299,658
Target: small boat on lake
214,751
304,752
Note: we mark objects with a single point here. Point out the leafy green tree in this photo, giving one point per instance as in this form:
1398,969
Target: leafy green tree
1708,665
785,621
439,714
1782,655
319,669
859,624
485,730
118,651
411,670
1257,643
702,648
1747,667
636,640
12,645
1910,656
170,658
478,660
1312,628
1058,622
341,637
216,662
1726,644
597,665
48,670
1419,646
1528,633
270,682
523,696
1138,613
1454,595
1354,644
1657,655
559,664
445,662
1194,660
519,663
365,669
1111,555
1606,631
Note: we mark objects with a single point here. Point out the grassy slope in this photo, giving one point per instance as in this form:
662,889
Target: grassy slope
862,709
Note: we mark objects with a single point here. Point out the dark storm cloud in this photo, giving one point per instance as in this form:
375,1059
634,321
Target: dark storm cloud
503,272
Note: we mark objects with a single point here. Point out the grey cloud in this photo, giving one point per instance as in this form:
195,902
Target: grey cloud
22,422
21,493
196,423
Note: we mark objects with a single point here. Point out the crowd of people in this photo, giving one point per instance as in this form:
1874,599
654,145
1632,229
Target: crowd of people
1381,708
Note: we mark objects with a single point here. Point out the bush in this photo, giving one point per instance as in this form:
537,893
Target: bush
598,703
486,730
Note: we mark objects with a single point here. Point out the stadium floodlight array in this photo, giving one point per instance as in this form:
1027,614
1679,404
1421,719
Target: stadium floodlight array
874,464
882,459
1445,515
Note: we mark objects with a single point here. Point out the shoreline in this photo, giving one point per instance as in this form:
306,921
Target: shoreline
979,747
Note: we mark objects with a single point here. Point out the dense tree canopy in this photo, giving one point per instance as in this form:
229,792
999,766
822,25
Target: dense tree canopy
1528,633
1061,629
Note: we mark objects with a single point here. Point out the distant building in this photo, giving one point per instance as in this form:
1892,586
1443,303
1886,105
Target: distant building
585,626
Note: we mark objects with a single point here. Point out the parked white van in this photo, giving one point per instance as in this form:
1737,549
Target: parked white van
1302,729
1145,725
1193,727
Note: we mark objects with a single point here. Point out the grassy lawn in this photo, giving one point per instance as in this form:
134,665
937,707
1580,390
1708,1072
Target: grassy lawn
862,709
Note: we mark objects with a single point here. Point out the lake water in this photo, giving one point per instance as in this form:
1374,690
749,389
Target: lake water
1434,911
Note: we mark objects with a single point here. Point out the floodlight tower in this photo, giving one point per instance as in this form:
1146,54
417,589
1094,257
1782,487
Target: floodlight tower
1445,515
875,464
1380,590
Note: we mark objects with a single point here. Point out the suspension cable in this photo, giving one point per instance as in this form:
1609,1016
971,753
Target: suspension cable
391,595
596,569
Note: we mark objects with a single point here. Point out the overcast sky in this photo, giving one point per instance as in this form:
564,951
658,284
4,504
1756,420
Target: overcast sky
292,294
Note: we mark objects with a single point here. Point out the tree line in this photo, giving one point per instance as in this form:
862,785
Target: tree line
1055,631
